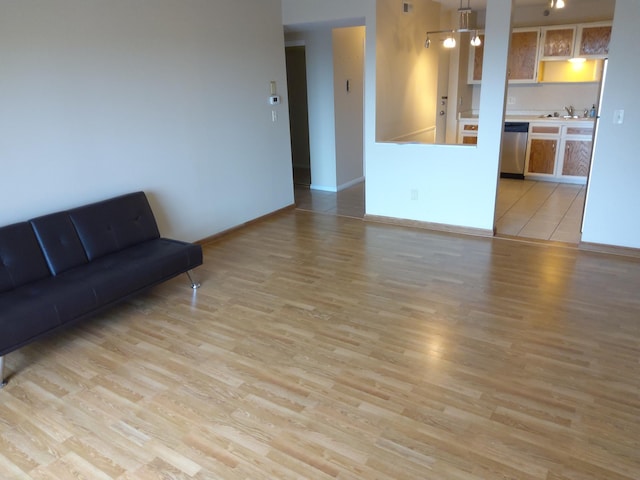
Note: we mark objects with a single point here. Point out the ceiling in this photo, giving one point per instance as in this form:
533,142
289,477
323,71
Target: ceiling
482,4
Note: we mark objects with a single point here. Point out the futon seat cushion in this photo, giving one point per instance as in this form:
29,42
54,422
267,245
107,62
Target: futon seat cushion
120,274
40,306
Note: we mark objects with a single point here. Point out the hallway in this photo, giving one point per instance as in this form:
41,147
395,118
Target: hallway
346,203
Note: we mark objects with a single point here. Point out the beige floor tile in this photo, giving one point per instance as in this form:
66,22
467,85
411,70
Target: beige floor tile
540,210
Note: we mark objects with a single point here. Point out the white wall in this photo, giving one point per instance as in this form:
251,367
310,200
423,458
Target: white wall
307,12
166,96
348,65
613,197
407,73
455,185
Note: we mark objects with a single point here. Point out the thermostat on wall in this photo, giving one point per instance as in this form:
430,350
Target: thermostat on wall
274,99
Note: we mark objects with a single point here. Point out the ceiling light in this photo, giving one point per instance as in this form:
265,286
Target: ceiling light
465,20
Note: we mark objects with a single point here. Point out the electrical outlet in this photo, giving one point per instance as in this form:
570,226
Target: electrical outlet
511,100
414,194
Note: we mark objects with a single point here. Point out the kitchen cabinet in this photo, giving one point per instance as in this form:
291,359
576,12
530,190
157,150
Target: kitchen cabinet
557,43
542,147
468,132
535,52
522,62
576,147
559,152
593,40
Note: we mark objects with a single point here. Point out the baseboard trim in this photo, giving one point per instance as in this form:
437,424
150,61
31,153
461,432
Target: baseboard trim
439,227
609,249
350,183
231,230
339,188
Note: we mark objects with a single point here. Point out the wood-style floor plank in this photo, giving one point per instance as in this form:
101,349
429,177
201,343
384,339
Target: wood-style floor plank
321,347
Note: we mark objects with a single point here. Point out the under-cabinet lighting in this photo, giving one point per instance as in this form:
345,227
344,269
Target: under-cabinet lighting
556,3
577,60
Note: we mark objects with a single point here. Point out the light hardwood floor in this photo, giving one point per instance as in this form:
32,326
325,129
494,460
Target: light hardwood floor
348,202
325,347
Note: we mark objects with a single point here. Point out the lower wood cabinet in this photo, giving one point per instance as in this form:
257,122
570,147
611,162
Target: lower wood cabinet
559,152
542,156
468,132
577,157
576,148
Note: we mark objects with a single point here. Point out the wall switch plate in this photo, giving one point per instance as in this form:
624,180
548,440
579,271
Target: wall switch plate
618,117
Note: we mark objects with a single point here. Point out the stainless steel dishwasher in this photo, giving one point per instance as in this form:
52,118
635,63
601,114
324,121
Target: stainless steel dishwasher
514,148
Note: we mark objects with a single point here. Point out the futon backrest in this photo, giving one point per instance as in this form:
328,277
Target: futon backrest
21,260
59,241
51,244
114,224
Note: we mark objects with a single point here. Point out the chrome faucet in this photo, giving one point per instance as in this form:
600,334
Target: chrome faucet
570,110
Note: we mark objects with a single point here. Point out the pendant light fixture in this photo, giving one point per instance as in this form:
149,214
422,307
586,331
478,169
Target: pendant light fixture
465,20
475,40
449,42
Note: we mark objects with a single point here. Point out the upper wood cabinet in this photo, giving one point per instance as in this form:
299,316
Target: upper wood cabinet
521,63
523,55
593,40
557,43
534,49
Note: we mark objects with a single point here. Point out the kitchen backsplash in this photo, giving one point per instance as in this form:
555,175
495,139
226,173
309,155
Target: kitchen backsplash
547,97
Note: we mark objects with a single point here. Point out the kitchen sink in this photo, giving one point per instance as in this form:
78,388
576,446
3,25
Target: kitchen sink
565,117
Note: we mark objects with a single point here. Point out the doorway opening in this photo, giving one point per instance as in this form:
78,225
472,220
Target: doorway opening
326,75
298,114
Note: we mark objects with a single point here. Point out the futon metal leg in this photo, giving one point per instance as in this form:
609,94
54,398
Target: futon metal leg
194,285
2,380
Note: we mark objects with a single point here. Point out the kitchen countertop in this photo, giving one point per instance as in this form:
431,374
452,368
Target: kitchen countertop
533,118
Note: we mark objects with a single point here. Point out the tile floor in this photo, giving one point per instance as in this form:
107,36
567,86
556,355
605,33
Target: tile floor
525,208
540,210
